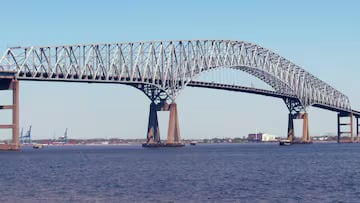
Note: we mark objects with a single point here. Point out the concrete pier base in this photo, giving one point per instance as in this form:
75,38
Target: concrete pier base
357,129
306,136
173,130
305,133
290,135
153,135
9,147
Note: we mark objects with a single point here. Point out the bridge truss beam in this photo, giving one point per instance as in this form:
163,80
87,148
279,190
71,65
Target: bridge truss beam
178,62
162,69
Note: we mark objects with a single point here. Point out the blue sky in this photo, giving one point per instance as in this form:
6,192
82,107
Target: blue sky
320,36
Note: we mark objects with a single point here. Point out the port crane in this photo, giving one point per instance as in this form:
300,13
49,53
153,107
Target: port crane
25,139
21,136
65,137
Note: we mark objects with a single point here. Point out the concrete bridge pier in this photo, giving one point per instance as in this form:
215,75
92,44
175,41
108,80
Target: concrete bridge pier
357,129
305,133
348,124
8,81
173,130
291,134
153,134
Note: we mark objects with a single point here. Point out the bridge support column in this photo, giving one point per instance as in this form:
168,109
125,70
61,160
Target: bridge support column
348,124
357,129
290,135
11,84
153,134
306,136
173,130
305,133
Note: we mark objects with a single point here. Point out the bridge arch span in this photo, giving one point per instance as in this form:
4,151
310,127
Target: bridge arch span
162,69
168,65
277,85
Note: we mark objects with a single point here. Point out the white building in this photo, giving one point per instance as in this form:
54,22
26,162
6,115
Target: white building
268,138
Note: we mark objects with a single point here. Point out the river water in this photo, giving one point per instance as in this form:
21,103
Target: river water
201,173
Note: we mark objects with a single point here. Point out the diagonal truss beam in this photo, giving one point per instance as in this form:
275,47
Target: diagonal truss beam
176,62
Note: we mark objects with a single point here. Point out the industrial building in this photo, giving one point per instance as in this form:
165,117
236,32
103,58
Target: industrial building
261,137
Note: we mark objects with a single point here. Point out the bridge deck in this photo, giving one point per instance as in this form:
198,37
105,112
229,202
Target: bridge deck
201,84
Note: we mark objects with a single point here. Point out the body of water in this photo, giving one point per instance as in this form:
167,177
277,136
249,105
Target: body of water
201,173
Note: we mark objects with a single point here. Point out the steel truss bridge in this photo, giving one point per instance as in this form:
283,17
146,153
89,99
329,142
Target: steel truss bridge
162,69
